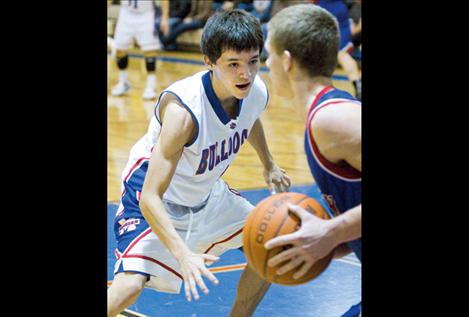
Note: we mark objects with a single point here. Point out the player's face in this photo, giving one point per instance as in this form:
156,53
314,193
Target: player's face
277,74
235,72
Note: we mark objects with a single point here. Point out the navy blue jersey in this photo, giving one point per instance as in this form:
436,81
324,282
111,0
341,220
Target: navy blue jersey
338,8
340,184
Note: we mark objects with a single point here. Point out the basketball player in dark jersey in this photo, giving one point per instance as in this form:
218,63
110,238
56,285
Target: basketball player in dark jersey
303,41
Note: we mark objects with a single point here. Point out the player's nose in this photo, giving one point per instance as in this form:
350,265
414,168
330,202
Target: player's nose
245,73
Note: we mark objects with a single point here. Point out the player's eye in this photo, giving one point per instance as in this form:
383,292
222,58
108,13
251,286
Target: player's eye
233,65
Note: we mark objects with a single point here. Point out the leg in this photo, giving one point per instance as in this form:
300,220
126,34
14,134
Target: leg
251,290
124,291
122,60
150,64
227,209
179,29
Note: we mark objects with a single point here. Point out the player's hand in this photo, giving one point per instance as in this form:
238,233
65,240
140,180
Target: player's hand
164,26
308,244
192,268
277,179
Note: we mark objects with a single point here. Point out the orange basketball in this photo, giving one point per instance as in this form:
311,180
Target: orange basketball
269,219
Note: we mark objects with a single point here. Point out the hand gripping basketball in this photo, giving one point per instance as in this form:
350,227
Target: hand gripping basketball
271,219
309,244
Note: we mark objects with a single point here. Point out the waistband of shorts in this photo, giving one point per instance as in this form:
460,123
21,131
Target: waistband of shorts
194,209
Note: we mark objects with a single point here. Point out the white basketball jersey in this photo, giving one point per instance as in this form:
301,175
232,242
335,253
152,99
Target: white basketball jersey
217,141
137,5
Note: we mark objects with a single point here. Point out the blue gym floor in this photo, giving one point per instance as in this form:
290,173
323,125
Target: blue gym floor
329,295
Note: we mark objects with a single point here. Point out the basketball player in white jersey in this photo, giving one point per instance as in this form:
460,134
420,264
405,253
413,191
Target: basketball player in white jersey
136,21
176,214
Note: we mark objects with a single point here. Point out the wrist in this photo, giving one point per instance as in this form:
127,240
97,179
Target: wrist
336,230
269,164
181,251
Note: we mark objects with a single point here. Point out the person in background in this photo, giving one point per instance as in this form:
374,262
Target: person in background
200,11
136,22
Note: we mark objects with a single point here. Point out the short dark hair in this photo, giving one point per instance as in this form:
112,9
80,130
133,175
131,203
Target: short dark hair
310,34
234,29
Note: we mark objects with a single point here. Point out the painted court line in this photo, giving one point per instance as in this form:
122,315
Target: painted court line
131,313
241,266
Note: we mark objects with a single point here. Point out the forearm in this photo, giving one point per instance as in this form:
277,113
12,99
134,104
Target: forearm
164,9
347,226
259,143
155,213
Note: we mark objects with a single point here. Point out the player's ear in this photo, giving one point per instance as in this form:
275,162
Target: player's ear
287,61
208,63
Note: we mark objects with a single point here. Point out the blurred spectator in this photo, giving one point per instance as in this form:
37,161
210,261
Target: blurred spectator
200,11
339,9
178,10
246,5
355,13
275,7
136,22
262,9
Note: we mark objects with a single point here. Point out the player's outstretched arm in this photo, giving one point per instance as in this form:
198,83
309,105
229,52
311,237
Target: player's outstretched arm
275,177
177,130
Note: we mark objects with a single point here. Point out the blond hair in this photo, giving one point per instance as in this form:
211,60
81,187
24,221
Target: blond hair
311,35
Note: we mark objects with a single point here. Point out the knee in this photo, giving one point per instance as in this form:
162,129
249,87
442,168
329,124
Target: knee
122,62
128,286
134,286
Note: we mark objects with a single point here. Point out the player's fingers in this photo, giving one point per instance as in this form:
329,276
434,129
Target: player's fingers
297,210
278,185
286,181
282,257
210,257
187,289
303,270
209,275
271,186
295,262
200,282
282,240
193,287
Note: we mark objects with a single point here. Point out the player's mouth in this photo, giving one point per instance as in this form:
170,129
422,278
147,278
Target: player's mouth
243,86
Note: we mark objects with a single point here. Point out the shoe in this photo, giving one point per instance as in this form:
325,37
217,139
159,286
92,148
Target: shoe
149,93
121,88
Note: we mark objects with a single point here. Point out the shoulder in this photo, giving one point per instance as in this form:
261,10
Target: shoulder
337,130
173,111
337,119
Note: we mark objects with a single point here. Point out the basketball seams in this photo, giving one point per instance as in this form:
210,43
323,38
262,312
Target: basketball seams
254,213
316,212
276,233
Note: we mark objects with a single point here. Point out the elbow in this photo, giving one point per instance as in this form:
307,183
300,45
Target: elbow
144,203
